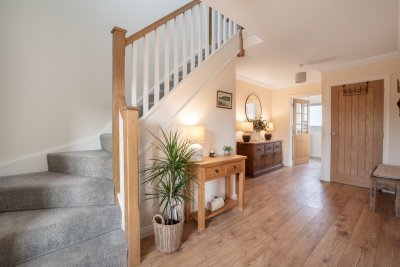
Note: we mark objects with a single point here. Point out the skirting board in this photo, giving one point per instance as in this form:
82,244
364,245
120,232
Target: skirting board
146,231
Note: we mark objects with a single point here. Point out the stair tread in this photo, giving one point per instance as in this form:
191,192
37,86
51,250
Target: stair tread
53,189
109,249
85,154
25,235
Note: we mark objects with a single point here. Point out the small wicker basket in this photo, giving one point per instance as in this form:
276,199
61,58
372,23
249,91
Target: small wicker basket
168,237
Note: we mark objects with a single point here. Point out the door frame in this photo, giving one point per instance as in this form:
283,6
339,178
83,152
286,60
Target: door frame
327,122
290,141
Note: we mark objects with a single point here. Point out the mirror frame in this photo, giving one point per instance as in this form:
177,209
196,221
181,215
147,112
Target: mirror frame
245,105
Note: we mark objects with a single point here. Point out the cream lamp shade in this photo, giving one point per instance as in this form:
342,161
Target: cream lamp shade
196,134
245,126
270,127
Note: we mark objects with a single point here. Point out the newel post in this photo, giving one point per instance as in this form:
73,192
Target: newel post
118,89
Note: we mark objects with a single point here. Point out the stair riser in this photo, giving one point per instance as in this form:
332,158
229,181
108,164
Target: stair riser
107,250
89,167
106,142
52,230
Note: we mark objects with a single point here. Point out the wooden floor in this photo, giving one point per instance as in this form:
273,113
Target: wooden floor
292,219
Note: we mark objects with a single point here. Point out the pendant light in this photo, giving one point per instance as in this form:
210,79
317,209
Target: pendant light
301,76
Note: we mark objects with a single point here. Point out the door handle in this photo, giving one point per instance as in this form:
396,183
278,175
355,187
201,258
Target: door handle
334,133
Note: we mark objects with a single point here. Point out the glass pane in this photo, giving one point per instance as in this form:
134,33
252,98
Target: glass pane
298,108
305,108
305,117
298,128
298,118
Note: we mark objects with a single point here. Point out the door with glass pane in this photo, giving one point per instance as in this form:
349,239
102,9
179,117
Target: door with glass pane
301,132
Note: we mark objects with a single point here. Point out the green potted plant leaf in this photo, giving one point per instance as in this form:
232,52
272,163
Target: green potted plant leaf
170,177
227,150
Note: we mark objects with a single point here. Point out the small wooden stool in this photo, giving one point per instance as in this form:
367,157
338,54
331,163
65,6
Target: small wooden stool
386,174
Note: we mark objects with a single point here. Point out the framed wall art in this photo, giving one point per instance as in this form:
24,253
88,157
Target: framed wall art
224,100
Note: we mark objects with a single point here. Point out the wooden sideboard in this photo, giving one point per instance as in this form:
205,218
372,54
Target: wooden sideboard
262,156
215,168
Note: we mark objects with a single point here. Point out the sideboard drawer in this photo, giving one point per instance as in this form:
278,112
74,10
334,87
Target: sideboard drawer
235,167
277,146
216,171
259,149
269,147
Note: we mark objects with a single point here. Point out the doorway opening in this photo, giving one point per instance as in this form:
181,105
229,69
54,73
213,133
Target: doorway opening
307,130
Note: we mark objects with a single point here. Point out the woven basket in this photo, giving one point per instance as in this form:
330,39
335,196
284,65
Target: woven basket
168,237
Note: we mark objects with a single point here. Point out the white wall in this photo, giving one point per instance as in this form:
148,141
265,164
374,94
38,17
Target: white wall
281,106
55,73
220,131
315,141
243,90
387,70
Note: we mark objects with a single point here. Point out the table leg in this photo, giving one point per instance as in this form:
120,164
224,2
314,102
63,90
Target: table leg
201,215
397,200
372,198
187,205
228,186
241,191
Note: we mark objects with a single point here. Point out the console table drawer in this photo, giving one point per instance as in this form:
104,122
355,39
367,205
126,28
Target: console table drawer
235,167
216,171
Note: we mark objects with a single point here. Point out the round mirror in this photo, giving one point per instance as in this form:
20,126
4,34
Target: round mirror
253,107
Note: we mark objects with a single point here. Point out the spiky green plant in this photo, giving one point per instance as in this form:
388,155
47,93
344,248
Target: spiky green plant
169,172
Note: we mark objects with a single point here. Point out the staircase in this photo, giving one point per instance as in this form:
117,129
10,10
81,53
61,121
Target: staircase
65,216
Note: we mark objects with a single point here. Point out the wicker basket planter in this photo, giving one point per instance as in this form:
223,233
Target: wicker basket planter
168,238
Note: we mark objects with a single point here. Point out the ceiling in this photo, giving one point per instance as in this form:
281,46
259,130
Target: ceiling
322,34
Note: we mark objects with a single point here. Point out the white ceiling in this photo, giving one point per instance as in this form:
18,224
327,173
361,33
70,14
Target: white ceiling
323,34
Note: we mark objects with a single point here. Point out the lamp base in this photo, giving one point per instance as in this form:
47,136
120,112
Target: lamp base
267,136
198,152
246,137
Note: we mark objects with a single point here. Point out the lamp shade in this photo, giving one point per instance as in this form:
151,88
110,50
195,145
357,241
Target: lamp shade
196,134
270,127
245,126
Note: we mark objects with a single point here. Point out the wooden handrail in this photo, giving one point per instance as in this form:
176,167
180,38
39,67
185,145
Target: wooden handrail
124,106
160,22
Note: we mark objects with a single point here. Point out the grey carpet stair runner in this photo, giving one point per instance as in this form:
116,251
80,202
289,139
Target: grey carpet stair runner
63,217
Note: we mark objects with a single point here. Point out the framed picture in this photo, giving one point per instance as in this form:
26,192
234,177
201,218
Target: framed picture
224,100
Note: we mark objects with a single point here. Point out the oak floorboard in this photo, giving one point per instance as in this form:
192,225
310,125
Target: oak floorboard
291,218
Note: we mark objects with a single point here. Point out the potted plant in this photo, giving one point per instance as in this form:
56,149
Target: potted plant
227,150
169,176
259,124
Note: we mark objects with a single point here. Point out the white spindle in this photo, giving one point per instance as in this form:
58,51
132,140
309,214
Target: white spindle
230,28
184,46
134,75
213,30
157,67
219,28
192,52
146,75
225,28
166,68
199,32
176,51
235,28
207,31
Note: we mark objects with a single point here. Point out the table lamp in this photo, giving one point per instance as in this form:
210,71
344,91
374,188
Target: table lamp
270,128
246,127
196,137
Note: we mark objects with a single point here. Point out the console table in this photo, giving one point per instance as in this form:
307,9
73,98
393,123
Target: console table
215,168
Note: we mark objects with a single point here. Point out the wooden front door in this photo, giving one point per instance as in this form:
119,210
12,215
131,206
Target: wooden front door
301,133
357,132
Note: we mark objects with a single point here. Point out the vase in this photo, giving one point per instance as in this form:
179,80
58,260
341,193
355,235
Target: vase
267,136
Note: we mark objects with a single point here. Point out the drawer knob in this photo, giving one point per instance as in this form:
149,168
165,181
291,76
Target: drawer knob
216,171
